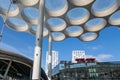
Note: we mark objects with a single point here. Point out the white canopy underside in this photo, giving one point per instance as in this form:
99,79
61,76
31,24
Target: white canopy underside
81,19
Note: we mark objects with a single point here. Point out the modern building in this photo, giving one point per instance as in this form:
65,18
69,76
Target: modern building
87,69
54,60
16,67
77,54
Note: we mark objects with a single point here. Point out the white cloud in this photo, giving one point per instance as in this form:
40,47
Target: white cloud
7,47
96,47
90,56
100,57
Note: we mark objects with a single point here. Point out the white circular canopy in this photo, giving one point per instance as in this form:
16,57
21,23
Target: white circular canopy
33,30
56,7
58,36
95,24
4,6
80,2
77,16
115,18
29,2
82,19
89,36
74,31
17,24
27,14
104,8
56,24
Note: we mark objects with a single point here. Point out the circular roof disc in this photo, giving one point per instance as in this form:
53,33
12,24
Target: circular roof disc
77,16
115,18
104,8
80,2
33,30
56,7
58,36
4,7
56,24
30,14
45,32
17,24
29,2
95,24
89,36
74,31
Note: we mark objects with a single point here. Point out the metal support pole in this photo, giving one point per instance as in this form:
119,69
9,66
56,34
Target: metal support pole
36,75
50,57
6,72
31,73
4,21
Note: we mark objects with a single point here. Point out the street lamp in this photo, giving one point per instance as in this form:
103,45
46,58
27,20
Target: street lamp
82,19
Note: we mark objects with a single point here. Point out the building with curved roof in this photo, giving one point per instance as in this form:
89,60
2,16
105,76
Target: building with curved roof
16,67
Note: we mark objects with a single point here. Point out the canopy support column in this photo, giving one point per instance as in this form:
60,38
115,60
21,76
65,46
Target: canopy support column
38,48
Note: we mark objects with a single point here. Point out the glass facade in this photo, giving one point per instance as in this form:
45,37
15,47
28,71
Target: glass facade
17,71
88,71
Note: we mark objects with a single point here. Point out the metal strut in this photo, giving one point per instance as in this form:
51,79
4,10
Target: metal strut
3,25
50,57
36,75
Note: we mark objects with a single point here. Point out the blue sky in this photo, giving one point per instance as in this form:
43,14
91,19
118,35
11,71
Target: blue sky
105,48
